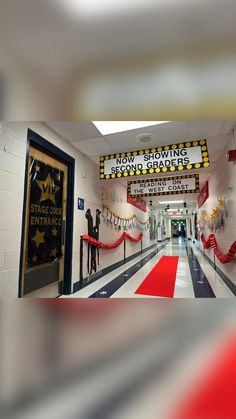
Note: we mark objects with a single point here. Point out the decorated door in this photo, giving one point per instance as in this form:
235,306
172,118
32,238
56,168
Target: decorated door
45,226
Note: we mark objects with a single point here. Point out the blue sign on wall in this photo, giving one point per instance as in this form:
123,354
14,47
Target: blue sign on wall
80,203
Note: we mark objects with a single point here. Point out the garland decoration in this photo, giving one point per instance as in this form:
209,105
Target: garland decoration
124,223
211,242
110,246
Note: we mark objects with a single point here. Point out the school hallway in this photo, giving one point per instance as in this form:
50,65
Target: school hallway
194,278
118,209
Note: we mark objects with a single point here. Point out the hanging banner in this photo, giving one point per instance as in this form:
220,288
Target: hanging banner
164,186
45,214
204,195
138,202
175,157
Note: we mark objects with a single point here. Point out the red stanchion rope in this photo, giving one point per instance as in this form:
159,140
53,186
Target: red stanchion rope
108,246
211,242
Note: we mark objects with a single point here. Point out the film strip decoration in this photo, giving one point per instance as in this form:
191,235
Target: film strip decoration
164,186
170,158
122,223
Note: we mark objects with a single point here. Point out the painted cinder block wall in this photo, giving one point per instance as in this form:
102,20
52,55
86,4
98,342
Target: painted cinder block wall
222,183
13,139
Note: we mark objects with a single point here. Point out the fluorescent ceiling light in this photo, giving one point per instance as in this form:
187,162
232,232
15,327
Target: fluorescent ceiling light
175,209
101,8
171,202
112,127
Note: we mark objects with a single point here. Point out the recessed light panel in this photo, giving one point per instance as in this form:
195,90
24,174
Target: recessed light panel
112,127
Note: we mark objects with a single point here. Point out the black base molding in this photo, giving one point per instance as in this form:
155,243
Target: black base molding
92,278
224,277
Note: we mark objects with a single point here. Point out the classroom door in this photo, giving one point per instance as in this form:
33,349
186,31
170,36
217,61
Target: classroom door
45,226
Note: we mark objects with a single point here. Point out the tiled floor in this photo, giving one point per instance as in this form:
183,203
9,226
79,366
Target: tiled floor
195,277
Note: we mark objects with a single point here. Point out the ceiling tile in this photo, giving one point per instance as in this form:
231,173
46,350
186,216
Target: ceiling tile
75,130
93,146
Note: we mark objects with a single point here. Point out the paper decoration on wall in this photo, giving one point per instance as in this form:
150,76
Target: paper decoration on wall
105,194
93,231
152,224
45,214
203,195
138,203
215,220
164,186
174,157
109,246
211,242
121,223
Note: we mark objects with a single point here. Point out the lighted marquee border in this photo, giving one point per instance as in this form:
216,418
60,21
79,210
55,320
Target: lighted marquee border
196,190
196,143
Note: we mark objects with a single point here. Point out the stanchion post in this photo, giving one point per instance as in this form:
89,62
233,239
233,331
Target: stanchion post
141,245
81,260
214,261
124,249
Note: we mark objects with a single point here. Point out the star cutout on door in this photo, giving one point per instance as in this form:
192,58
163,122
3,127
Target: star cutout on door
39,238
54,232
48,189
53,252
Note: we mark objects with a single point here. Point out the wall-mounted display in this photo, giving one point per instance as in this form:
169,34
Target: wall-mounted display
138,202
169,158
214,220
164,186
45,214
122,223
152,226
203,195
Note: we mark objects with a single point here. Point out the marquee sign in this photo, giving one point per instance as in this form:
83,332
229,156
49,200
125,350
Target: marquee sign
169,158
164,186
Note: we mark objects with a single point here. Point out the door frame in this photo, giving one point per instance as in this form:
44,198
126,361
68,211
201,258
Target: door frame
35,140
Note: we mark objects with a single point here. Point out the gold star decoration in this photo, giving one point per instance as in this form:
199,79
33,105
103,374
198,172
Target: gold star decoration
37,168
48,189
39,238
53,252
221,202
54,232
215,213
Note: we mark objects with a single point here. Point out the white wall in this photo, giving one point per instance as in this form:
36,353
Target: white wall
13,139
221,179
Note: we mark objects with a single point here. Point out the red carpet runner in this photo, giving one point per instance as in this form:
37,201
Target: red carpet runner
160,282
213,396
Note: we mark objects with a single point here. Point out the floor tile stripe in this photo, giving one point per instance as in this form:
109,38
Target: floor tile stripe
116,283
201,286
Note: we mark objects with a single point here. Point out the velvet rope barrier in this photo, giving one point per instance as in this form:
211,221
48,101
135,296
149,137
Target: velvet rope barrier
211,242
110,246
